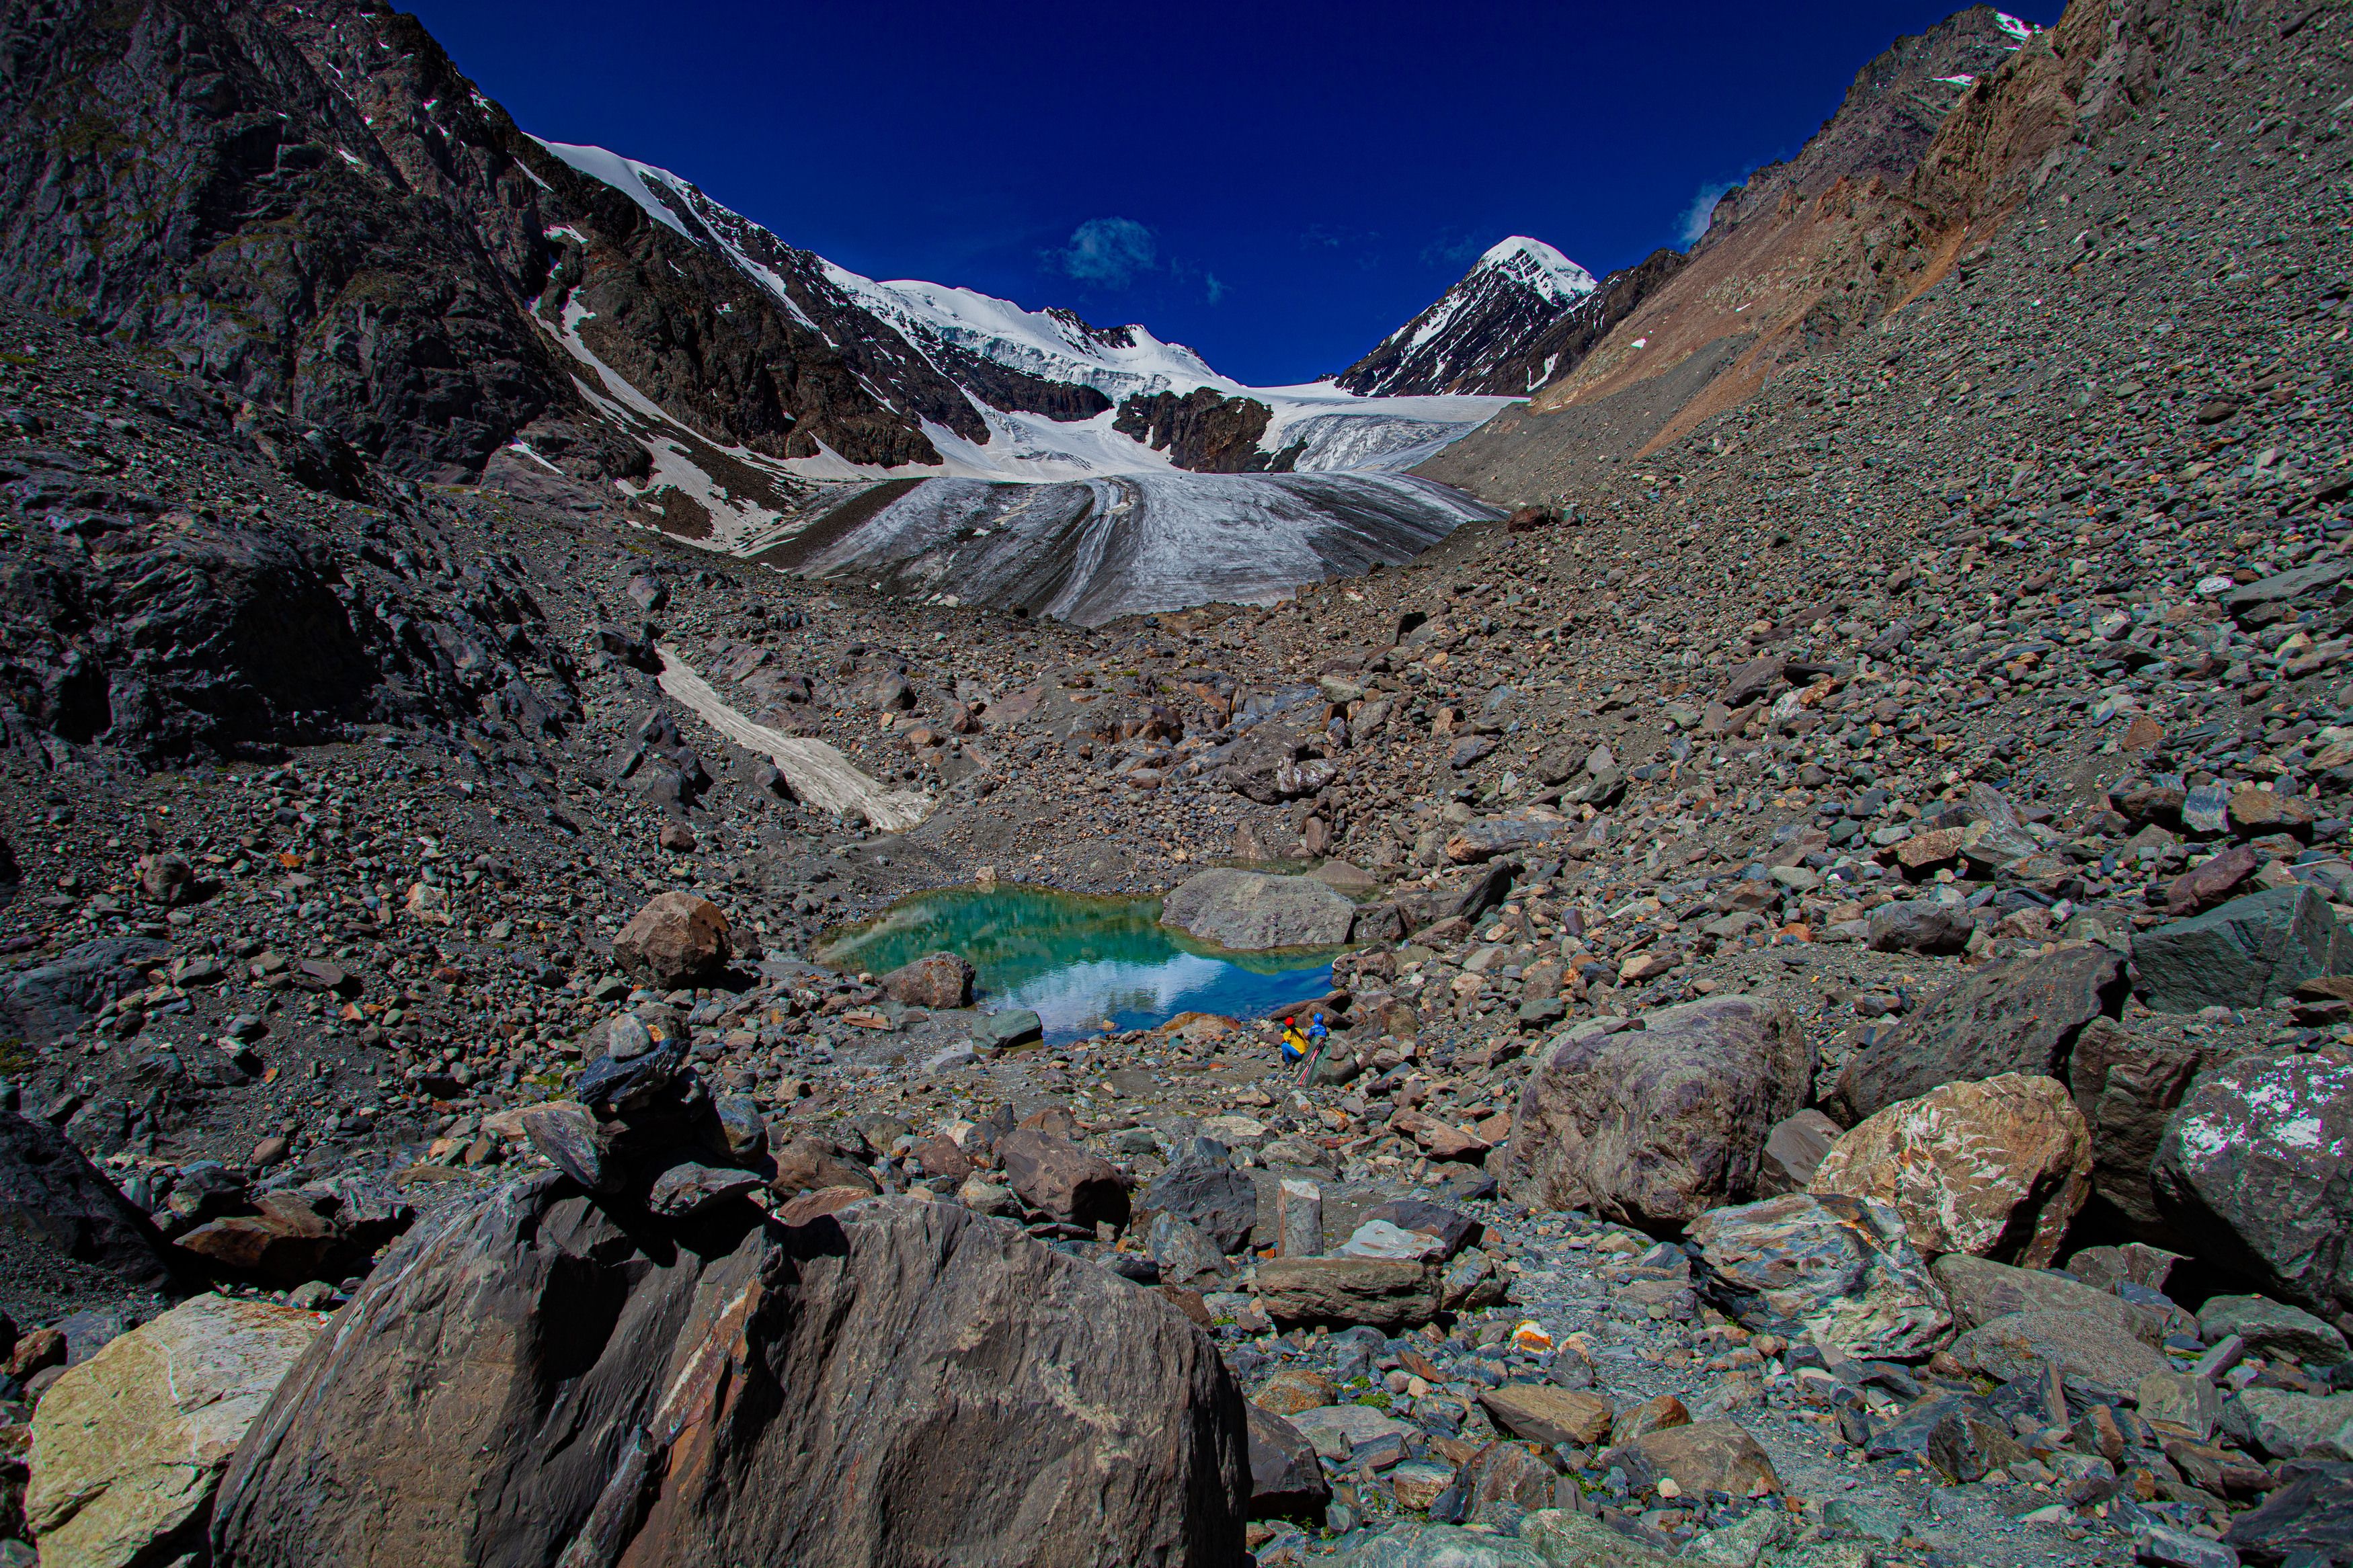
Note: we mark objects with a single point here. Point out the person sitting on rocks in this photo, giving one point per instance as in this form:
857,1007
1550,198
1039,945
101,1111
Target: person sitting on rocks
1294,1043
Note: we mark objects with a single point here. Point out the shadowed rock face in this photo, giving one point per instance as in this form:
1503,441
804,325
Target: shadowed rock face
314,205
180,173
901,1384
1204,432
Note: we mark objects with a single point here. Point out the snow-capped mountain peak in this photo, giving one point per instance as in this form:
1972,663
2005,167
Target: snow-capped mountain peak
1484,333
1539,267
1054,343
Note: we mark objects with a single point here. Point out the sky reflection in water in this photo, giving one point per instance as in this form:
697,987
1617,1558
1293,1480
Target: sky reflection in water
1075,961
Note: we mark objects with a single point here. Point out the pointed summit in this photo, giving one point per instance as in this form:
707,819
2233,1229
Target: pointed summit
1479,336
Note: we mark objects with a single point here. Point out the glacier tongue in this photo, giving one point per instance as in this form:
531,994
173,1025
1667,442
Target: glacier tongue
1094,550
1039,500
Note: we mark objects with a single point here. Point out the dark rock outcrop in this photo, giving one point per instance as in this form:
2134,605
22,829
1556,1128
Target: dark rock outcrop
2252,1166
63,1227
909,1381
2022,1015
1204,431
1654,1127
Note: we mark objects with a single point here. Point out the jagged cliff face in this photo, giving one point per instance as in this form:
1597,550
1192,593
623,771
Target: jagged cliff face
1890,114
312,204
1936,141
177,172
1204,432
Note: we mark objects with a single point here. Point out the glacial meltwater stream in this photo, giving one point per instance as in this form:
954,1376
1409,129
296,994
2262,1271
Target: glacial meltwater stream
1077,961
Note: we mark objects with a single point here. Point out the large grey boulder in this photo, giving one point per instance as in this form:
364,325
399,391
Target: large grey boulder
1442,1546
1980,1290
2290,1425
2284,586
127,1446
1248,910
1392,1294
2250,952
2079,1343
2253,1165
532,1379
1837,1268
2022,1015
39,1003
1920,925
1204,1188
1286,1480
1656,1126
2269,1328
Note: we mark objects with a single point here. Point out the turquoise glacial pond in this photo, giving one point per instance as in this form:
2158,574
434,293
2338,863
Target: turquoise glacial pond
1076,961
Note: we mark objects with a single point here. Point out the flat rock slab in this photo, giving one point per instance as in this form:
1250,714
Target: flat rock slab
1546,1414
2270,1328
1249,911
2082,1345
1839,1269
2290,1425
1387,1293
1339,1431
1442,1546
1980,1290
128,1445
1702,1457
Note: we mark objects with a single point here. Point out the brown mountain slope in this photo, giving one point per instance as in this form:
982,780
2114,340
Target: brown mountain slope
1812,251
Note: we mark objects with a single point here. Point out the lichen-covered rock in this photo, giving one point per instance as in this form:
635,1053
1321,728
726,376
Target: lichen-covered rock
1996,1168
1656,1126
128,1445
2253,1165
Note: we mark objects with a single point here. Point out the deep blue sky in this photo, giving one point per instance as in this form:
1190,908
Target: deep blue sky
1277,184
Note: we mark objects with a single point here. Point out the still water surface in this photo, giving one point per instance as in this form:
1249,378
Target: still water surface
1076,961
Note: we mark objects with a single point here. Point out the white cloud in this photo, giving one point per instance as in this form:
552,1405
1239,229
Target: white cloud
1106,252
1694,222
